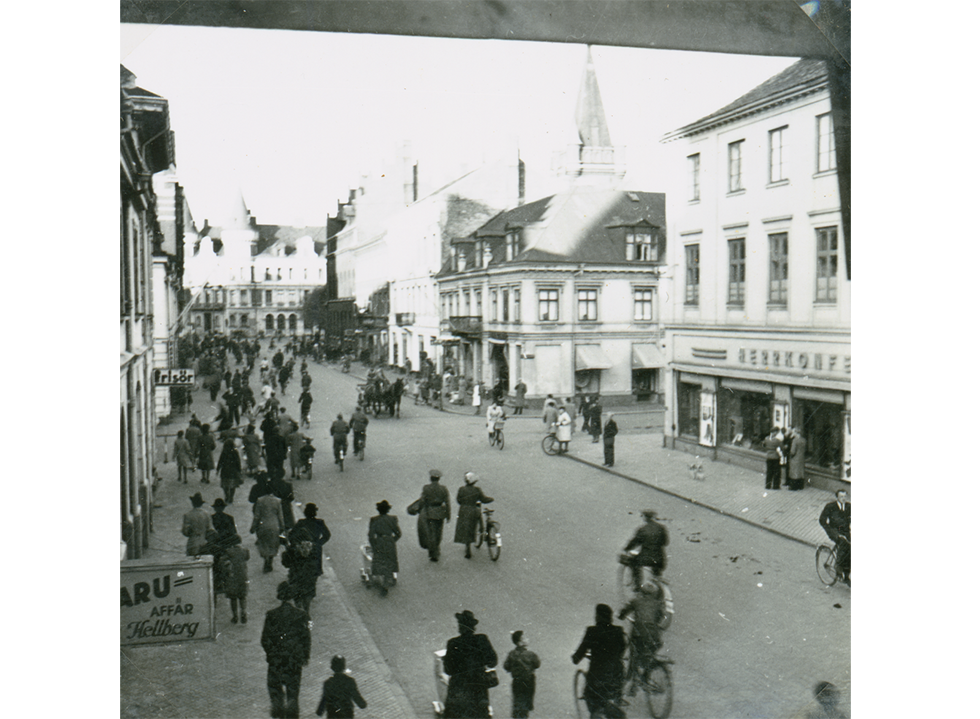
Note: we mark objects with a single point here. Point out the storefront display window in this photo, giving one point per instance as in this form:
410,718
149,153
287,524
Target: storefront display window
822,424
744,418
688,409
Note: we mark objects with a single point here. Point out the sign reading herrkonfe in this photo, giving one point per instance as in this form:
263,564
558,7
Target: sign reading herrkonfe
166,602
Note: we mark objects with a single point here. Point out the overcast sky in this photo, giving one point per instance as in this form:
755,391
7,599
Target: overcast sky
295,118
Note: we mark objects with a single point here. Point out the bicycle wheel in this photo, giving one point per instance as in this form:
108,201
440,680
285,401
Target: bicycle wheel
492,437
578,688
827,565
659,691
500,439
550,444
480,535
493,541
340,462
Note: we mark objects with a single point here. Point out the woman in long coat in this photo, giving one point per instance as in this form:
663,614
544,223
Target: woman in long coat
267,524
295,441
205,458
253,448
564,433
383,533
183,457
469,519
230,470
467,658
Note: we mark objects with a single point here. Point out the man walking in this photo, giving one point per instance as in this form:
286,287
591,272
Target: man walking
196,524
434,512
286,641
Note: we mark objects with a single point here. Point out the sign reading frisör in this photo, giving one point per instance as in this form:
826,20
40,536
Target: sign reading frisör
165,602
174,377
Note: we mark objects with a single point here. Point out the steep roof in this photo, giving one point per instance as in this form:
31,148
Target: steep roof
806,74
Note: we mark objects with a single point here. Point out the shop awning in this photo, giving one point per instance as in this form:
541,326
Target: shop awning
591,357
647,357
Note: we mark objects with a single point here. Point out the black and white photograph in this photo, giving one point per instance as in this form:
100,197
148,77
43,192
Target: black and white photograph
486,358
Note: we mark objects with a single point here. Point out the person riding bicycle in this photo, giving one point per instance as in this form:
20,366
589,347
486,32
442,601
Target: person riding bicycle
305,400
605,643
836,522
339,430
306,453
651,538
649,613
494,414
358,424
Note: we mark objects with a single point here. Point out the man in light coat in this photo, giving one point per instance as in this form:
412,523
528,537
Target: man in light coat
797,459
197,522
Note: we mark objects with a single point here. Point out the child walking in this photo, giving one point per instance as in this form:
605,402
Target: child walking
521,663
340,692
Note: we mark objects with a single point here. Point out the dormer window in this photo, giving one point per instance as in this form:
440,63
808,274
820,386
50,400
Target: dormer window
513,244
639,245
460,261
487,254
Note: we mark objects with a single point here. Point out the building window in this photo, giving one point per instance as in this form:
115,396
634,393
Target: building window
268,273
688,409
231,298
588,305
744,418
244,322
466,303
445,305
777,172
694,165
517,305
822,423
493,305
548,305
321,273
505,302
478,294
231,320
513,244
692,255
736,271
270,322
639,246
735,166
826,264
306,273
256,298
243,298
252,268
826,148
279,273
778,268
268,298
643,304
290,273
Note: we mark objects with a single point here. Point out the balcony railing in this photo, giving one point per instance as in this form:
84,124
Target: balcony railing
403,319
465,325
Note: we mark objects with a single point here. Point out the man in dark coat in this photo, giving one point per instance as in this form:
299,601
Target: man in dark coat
339,430
383,533
836,522
605,643
301,561
609,433
470,519
467,658
358,424
224,524
651,538
286,641
595,425
521,663
340,693
434,512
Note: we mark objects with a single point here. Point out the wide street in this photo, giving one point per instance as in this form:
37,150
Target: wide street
753,629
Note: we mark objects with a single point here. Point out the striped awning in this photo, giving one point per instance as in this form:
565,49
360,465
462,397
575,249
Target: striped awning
591,357
647,356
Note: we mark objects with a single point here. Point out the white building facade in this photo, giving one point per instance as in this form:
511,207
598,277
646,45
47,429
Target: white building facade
757,310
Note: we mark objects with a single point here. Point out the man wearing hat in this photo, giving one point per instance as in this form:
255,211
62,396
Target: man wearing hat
286,641
470,519
434,511
467,659
651,538
197,522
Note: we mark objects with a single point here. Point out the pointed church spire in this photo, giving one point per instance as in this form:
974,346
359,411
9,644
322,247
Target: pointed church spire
590,117
239,217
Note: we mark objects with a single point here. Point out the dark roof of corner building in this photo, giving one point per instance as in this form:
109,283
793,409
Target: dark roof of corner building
269,235
581,225
803,75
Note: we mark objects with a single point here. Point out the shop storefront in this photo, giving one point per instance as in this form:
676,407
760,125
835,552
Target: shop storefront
729,392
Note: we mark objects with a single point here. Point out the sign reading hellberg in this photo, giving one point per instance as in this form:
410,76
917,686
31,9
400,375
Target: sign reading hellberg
165,602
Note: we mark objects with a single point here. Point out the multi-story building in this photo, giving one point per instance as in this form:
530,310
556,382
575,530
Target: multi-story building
757,317
253,278
146,147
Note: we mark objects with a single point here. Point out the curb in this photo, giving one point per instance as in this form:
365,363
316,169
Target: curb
693,501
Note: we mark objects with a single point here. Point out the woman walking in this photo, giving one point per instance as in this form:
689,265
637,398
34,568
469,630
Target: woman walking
267,523
182,456
383,533
230,470
205,459
253,449
469,519
466,661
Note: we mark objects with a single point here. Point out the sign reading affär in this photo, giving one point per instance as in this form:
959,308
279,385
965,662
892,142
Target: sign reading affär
165,602
173,377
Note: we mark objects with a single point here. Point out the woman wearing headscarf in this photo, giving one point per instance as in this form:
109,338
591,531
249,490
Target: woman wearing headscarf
470,519
383,533
300,559
467,659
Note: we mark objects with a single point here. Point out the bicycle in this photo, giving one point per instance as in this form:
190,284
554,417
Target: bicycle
581,705
827,570
550,443
490,533
650,674
497,436
360,442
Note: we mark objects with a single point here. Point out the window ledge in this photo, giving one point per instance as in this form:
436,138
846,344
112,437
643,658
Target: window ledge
778,183
735,306
777,306
825,303
692,305
695,201
734,193
825,173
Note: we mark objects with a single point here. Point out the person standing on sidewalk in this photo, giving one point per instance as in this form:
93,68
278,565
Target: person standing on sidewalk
434,512
564,430
550,414
774,451
520,397
182,456
797,459
340,692
286,640
595,423
196,524
469,520
609,433
521,663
